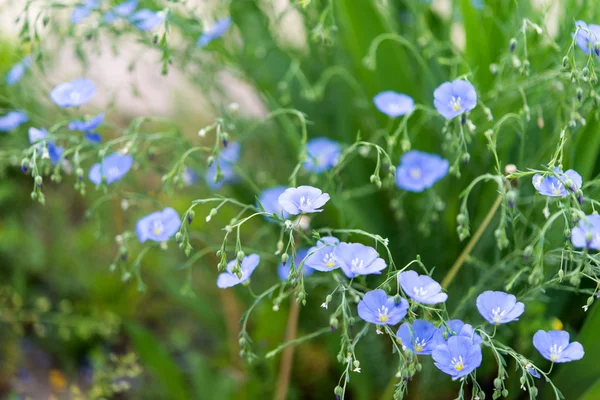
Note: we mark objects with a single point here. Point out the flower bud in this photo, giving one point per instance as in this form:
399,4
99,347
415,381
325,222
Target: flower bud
497,383
190,216
38,180
513,44
579,92
565,61
240,255
178,237
284,258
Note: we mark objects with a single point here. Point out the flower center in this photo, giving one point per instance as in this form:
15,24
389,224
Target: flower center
557,188
415,173
458,363
112,172
419,344
357,263
157,227
382,312
305,202
419,291
455,103
329,260
555,351
498,314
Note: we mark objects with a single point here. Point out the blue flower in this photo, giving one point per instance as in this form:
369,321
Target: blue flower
394,104
458,357
532,371
248,265
587,233
54,152
189,176
454,98
122,10
15,74
146,20
499,307
587,37
421,288
303,199
74,93
88,127
419,171
83,11
269,199
556,186
158,226
112,168
323,154
555,346
215,32
456,327
377,308
284,270
357,259
227,159
321,256
418,337
12,120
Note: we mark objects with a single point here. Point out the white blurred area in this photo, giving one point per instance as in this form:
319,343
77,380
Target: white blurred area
157,95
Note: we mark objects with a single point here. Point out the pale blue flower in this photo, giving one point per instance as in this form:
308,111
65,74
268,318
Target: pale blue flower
555,346
158,226
587,233
394,104
421,288
248,265
418,337
499,307
217,31
378,308
456,327
81,12
323,154
458,357
357,259
122,10
54,152
88,127
189,176
147,20
587,37
73,94
321,256
269,199
18,70
419,171
557,186
112,168
283,271
12,120
303,199
454,98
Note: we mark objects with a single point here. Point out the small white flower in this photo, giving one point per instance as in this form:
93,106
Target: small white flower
546,212
124,204
275,307
202,132
324,305
357,369
378,331
164,245
289,224
585,308
208,218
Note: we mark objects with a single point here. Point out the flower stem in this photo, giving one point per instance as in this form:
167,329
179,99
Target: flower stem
285,368
467,250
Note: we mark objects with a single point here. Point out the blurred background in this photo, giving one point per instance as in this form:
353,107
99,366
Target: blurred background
72,327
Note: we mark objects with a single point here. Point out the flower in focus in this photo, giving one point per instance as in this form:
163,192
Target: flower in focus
284,270
158,226
323,154
556,186
321,256
83,11
12,120
394,104
532,371
499,307
454,98
421,288
587,37
419,171
189,176
247,266
303,199
357,259
218,30
456,327
458,357
122,10
227,159
88,127
146,20
587,233
418,337
555,346
15,74
74,93
54,152
112,168
269,199
377,308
